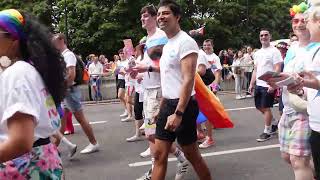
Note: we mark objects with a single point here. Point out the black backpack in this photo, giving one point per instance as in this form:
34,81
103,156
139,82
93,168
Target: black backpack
208,77
79,72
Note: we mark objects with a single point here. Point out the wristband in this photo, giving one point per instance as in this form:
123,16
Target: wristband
150,69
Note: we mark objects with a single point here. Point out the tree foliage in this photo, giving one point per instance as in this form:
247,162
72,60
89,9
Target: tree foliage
96,26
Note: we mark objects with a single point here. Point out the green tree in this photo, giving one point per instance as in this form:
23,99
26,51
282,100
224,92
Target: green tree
96,26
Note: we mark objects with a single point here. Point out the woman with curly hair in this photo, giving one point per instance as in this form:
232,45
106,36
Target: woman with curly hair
31,84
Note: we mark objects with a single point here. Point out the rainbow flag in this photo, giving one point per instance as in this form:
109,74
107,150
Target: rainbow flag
210,106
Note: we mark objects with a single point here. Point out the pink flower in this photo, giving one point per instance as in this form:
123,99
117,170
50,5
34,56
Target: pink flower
43,165
49,151
53,163
17,176
3,175
11,172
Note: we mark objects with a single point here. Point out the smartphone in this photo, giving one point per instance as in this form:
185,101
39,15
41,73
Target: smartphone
269,74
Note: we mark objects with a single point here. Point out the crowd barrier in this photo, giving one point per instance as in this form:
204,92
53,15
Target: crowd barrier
227,82
108,84
107,88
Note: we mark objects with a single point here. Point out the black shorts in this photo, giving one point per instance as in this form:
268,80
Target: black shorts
138,108
121,84
262,98
186,133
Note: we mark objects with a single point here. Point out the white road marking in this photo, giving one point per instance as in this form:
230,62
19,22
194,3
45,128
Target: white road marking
233,151
239,109
93,122
235,109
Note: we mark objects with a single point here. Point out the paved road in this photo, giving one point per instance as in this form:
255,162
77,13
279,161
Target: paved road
236,156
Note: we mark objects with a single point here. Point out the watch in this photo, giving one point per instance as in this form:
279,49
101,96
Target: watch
179,113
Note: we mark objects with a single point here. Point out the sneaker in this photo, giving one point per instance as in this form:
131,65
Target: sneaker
182,169
201,137
274,129
238,97
142,126
72,151
146,153
264,137
68,132
134,138
146,176
207,143
249,96
276,105
90,149
124,114
127,119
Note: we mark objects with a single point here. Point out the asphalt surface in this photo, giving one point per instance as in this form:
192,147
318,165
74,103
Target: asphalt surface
236,156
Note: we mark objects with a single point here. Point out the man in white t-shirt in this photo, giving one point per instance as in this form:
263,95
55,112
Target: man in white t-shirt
268,58
152,86
129,87
213,60
73,97
207,59
178,109
95,72
121,83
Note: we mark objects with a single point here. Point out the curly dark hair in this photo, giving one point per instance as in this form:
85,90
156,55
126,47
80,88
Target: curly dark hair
39,50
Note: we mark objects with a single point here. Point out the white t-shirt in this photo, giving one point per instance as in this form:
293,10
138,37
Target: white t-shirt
121,64
213,61
152,79
202,59
95,69
129,80
238,63
248,62
265,59
313,95
138,86
177,48
22,90
294,62
69,58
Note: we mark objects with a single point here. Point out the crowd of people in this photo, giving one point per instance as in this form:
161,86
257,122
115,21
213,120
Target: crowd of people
39,92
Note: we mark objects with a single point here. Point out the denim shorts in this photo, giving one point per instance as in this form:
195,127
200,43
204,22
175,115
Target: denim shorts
72,101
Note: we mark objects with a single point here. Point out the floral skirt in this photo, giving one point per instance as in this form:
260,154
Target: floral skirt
43,162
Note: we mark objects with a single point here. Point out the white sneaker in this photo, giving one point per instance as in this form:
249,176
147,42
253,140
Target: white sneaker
142,126
146,176
207,143
124,114
127,119
72,151
134,138
182,169
146,153
90,149
239,97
